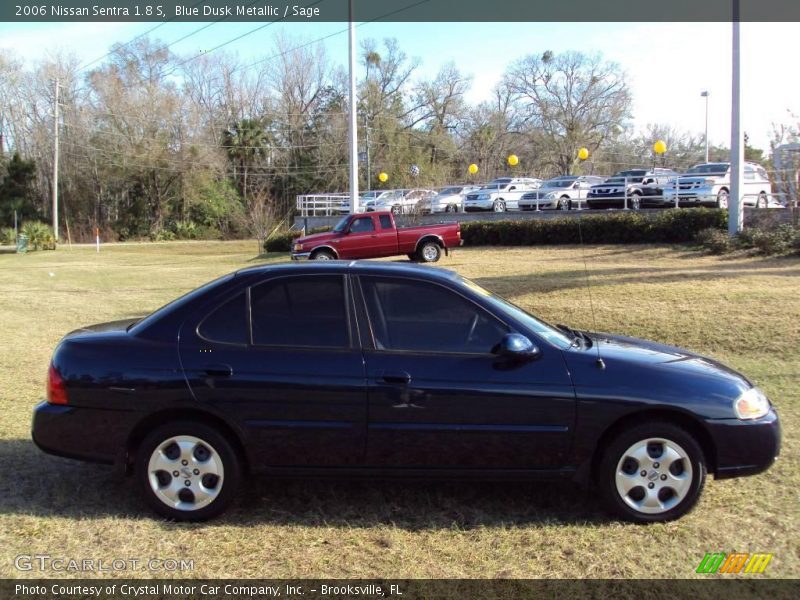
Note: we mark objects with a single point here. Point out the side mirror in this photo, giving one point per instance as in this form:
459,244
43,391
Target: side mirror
515,345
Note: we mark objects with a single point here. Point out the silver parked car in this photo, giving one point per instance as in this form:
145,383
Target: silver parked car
709,184
564,193
501,194
450,199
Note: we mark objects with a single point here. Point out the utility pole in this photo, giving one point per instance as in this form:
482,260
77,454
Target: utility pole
366,139
705,95
353,124
735,215
55,164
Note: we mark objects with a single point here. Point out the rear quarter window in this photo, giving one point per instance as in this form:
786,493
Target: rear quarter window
227,323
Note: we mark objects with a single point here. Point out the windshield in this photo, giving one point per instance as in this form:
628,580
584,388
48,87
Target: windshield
369,195
341,225
450,191
716,168
495,186
503,306
559,182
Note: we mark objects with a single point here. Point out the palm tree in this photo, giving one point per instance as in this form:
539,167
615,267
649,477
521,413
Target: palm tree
245,143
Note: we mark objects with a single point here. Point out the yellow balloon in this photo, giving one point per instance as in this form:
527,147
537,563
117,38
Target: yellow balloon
660,147
513,160
383,177
473,168
583,153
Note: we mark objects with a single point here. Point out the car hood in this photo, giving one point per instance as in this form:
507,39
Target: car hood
618,348
316,238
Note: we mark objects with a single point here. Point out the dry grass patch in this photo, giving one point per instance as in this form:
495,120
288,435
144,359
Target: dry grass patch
744,311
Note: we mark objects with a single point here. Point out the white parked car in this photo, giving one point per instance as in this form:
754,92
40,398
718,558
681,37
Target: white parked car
709,184
564,193
450,199
501,194
400,201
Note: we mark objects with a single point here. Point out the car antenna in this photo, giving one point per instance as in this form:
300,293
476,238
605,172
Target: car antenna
599,362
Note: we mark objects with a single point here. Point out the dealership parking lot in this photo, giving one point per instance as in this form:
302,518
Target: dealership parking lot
742,310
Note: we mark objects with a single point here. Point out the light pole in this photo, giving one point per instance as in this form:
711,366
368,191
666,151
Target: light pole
353,125
705,94
735,217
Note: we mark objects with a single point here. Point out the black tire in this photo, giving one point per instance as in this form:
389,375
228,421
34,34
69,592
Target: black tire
761,201
635,202
412,257
221,448
673,505
451,208
429,252
564,203
323,255
722,199
499,206
396,209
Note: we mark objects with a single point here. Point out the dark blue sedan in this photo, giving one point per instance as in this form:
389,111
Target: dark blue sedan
392,370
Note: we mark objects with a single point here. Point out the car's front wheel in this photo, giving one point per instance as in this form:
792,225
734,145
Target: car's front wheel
499,206
761,202
652,472
187,471
563,203
722,199
635,202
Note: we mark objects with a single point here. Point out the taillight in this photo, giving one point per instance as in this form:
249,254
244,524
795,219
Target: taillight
56,390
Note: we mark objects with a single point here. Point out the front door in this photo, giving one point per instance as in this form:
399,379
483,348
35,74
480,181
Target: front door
361,240
438,397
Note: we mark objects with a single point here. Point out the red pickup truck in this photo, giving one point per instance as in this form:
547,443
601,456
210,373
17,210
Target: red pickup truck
375,234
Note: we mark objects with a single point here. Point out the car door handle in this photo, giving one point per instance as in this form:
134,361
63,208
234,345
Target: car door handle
219,370
400,377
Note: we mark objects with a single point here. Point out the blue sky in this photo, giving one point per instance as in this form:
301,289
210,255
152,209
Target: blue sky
667,64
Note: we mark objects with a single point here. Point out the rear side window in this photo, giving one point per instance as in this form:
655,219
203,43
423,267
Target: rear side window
227,323
418,316
300,311
386,222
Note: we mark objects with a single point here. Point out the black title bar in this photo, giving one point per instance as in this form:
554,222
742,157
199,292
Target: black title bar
400,10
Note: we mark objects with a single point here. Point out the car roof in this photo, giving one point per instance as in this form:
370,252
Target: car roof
355,267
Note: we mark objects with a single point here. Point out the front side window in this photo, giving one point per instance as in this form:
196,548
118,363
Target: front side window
300,311
417,316
362,224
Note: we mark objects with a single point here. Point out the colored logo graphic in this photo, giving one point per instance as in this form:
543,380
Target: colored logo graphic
737,562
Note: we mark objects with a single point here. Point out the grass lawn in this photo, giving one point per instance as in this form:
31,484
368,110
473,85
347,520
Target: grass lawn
742,310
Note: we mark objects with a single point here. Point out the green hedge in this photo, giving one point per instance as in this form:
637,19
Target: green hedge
667,226
282,242
670,226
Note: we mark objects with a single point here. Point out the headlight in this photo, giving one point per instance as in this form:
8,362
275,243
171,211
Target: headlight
298,247
752,404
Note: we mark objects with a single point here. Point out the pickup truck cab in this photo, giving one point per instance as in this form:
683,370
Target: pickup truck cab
375,235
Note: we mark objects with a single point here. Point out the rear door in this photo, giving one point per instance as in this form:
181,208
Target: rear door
280,358
438,397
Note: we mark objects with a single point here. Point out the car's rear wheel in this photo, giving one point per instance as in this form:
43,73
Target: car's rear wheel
722,199
652,472
323,255
635,202
187,471
499,206
396,209
429,252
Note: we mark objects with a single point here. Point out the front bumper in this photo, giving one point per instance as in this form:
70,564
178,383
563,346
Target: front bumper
543,204
473,205
745,447
300,255
90,434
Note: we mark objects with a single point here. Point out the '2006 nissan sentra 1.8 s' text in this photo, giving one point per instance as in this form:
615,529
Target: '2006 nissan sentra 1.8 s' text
390,369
